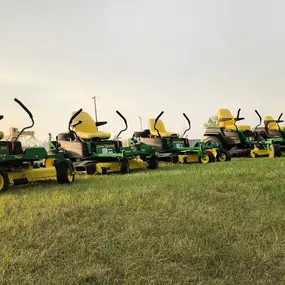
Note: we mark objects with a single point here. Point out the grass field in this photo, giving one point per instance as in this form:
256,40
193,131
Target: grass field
222,223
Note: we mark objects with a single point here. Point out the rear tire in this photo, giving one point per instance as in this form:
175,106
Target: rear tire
4,181
224,156
212,139
208,158
153,162
275,151
65,172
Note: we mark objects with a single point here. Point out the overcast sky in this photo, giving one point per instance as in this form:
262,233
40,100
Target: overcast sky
140,57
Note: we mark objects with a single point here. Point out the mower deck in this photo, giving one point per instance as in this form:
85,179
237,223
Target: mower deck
92,167
24,176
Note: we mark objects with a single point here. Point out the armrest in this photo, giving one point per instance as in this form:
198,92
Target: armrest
98,124
239,119
224,119
76,124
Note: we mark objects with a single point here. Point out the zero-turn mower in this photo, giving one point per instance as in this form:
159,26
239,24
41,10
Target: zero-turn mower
20,166
93,152
174,148
272,130
240,140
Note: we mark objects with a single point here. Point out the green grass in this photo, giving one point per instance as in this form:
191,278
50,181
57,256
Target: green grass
222,223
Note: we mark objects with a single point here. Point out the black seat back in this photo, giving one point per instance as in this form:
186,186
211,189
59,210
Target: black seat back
17,147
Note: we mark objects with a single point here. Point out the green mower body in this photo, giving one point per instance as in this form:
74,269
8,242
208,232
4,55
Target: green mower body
240,140
21,166
97,155
272,131
174,148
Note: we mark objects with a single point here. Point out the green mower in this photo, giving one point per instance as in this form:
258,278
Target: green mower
19,166
240,140
174,148
92,151
272,131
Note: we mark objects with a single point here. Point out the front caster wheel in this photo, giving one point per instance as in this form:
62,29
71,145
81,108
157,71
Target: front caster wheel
224,155
153,162
65,172
208,158
124,166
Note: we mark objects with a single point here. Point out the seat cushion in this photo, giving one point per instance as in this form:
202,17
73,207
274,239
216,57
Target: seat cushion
161,128
98,134
240,127
88,129
168,135
275,128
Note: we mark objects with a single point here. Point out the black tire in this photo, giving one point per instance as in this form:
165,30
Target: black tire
275,151
90,168
209,157
224,155
64,172
4,181
153,162
212,139
174,159
124,166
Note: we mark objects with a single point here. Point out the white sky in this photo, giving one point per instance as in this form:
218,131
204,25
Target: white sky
140,57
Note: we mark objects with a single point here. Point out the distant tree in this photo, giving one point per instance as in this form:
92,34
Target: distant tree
212,122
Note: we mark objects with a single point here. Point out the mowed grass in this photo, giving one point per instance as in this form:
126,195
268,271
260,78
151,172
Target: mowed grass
222,223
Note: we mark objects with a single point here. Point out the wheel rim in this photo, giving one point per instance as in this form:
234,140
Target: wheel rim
271,153
69,175
223,157
2,182
206,159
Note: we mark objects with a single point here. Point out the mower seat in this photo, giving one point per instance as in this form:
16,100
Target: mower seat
271,124
227,121
14,148
1,135
240,127
87,129
160,126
